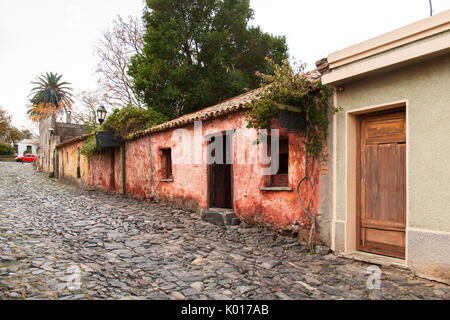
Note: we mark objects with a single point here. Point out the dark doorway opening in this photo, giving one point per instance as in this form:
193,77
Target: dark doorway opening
220,173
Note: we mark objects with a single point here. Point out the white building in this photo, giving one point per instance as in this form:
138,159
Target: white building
27,146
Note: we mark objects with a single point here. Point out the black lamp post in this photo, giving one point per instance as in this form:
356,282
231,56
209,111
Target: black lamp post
101,114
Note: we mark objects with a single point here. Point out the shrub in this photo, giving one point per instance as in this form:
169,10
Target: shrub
90,146
132,119
124,122
6,149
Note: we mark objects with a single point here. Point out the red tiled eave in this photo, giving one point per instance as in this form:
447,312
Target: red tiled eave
241,102
73,140
232,105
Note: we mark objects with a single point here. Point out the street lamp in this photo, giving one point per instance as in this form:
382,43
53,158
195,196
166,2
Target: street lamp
101,114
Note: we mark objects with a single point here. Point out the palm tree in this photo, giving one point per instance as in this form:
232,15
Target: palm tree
27,134
50,96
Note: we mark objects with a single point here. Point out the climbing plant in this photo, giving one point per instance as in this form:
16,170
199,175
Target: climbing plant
292,87
89,145
124,122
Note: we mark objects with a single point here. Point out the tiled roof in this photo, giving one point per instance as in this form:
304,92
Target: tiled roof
73,140
322,66
228,106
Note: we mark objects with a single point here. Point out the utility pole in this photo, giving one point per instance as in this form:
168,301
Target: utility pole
431,8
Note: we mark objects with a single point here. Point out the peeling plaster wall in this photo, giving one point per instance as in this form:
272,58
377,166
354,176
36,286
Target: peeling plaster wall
137,168
68,163
101,171
325,219
47,142
189,188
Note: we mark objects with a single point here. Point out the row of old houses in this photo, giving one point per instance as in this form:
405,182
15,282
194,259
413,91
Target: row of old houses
382,187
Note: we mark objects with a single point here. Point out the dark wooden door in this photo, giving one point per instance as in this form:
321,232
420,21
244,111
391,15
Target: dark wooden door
382,182
220,180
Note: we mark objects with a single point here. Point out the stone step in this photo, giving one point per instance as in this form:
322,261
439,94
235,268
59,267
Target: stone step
220,217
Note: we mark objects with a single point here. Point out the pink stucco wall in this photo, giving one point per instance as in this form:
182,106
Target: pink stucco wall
189,188
138,171
101,169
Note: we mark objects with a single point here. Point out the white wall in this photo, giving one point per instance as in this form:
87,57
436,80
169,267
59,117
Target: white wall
27,142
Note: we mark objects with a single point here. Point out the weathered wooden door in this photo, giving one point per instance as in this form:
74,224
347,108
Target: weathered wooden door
382,180
220,179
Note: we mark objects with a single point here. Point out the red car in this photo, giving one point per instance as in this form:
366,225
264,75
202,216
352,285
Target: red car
27,158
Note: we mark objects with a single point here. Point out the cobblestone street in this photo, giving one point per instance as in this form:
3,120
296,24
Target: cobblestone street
53,234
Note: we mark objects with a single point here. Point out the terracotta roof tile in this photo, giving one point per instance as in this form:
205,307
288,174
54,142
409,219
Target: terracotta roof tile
231,105
322,66
73,140
228,106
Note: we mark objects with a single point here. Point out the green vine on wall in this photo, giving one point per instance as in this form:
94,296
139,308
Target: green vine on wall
289,87
294,88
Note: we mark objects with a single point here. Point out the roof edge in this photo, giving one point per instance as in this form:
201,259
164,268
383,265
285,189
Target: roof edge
413,32
73,140
222,108
228,106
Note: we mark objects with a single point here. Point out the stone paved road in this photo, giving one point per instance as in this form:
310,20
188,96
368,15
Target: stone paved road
52,234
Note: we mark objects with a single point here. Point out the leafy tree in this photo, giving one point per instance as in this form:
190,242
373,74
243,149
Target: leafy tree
49,97
200,52
8,133
6,149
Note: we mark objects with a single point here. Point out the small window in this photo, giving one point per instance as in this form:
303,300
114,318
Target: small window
281,178
166,163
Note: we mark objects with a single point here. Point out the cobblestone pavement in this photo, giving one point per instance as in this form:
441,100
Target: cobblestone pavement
61,242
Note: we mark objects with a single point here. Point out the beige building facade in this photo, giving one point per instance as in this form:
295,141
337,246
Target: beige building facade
52,133
390,148
70,163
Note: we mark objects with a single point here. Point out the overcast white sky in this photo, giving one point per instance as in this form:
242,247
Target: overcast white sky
38,36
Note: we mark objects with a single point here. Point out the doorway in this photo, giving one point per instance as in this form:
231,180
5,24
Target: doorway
220,173
381,183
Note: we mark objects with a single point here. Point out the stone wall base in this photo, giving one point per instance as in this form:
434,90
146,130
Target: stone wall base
427,252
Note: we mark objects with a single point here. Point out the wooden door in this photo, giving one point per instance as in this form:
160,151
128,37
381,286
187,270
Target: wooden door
382,182
220,179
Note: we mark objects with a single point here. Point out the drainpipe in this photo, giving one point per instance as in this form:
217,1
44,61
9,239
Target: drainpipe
123,167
